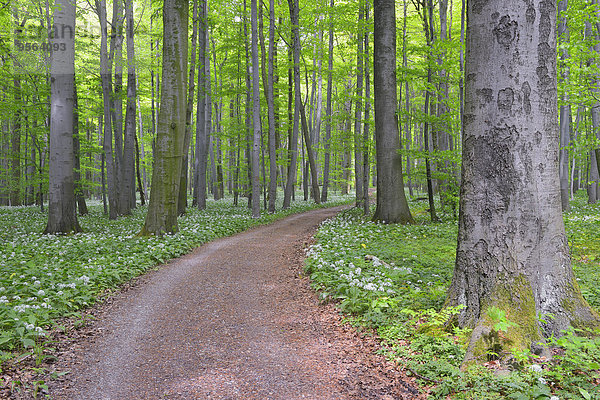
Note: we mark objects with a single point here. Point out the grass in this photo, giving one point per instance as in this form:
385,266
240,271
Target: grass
394,278
45,277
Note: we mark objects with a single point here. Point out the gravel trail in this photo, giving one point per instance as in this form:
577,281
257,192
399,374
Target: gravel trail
231,320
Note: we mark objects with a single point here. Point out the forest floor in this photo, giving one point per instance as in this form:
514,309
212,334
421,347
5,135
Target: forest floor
235,319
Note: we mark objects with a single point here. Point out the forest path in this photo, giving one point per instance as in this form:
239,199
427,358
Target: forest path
232,320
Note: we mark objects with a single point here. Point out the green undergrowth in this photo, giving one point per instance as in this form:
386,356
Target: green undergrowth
393,279
45,277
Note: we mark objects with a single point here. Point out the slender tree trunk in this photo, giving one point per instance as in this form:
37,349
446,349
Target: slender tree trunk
79,198
391,201
62,212
127,188
255,113
358,139
291,178
168,156
201,133
564,114
271,111
328,111
105,73
183,184
116,55
407,134
366,130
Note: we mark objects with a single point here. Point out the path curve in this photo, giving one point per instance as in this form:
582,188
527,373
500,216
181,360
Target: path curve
231,320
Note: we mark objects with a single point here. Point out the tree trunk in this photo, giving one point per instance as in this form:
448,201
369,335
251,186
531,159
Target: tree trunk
183,184
358,139
79,198
106,78
366,130
291,178
116,55
255,113
328,112
512,249
128,200
271,112
62,215
168,155
565,113
392,206
201,133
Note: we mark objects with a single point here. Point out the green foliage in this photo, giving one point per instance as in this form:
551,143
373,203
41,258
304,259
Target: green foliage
395,277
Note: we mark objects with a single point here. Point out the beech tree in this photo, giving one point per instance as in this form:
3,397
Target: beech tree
168,154
392,206
62,211
512,250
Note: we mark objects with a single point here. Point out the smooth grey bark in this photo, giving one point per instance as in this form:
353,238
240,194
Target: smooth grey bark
429,35
392,206
293,139
183,183
565,112
116,56
358,139
366,127
328,110
512,249
106,79
256,126
271,111
407,134
201,133
168,153
79,197
127,189
62,211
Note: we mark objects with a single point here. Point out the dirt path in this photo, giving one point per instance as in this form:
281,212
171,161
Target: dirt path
232,320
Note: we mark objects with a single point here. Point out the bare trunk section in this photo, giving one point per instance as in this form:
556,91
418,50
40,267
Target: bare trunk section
271,111
565,112
328,111
255,113
168,155
291,178
183,184
512,249
391,201
127,189
62,215
106,78
201,133
358,139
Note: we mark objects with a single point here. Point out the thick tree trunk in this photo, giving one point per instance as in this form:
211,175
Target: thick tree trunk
62,215
168,154
512,249
391,201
